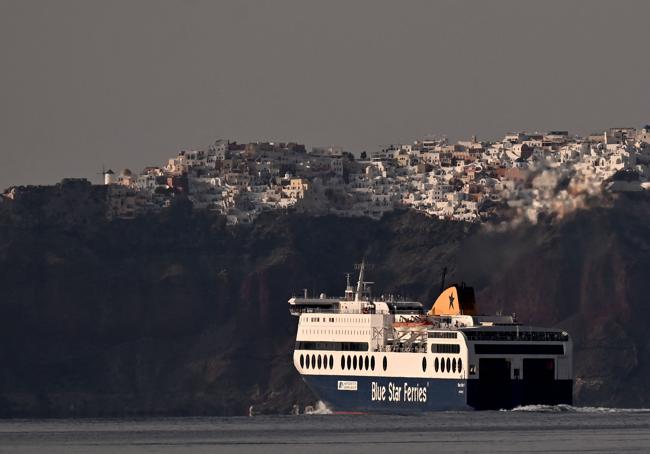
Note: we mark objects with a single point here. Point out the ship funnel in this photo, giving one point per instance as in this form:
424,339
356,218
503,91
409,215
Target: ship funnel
455,300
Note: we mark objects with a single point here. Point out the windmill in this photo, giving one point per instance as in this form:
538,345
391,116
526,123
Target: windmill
107,175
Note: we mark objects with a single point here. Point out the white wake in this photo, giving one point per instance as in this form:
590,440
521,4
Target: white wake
571,409
320,409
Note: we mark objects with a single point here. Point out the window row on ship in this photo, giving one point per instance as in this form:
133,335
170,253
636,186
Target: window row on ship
363,347
364,332
337,319
367,362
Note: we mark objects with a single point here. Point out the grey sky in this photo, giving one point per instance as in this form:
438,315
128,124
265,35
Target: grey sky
129,83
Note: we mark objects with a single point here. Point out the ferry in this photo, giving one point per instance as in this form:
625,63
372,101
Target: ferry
361,354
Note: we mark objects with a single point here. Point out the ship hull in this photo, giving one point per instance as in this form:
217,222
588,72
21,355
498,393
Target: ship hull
412,395
388,394
507,394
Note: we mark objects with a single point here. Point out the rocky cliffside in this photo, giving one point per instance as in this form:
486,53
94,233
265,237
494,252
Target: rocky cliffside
178,314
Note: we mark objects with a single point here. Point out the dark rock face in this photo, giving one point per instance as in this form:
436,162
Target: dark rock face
178,314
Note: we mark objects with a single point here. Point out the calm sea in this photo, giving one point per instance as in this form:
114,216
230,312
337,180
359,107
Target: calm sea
536,429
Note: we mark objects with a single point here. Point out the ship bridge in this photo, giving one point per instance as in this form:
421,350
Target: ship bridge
357,300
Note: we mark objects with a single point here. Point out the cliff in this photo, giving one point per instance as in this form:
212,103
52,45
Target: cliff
178,314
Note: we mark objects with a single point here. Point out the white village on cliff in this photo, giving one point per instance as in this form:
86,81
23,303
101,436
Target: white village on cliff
519,178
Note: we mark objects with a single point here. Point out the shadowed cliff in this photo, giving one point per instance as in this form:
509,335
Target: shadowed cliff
178,314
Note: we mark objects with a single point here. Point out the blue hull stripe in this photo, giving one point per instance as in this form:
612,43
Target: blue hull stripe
388,394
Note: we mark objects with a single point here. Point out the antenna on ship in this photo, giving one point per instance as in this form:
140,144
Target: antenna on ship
362,285
362,269
349,291
442,279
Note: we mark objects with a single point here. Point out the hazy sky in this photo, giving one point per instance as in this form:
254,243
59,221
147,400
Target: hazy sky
129,83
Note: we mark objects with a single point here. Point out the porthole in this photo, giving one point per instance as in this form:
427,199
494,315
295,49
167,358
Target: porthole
385,363
448,365
320,363
354,363
436,364
460,365
342,362
453,365
302,361
313,361
372,363
331,362
424,364
442,364
366,363
349,362
307,361
360,362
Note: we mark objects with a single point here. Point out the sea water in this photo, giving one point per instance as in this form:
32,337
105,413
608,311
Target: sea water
529,429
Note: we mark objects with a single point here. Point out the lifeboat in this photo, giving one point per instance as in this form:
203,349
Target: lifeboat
415,324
